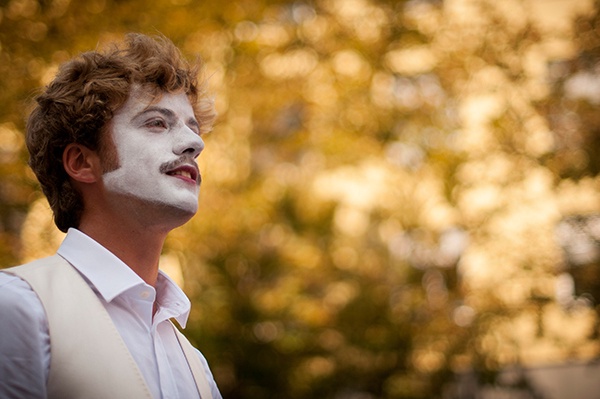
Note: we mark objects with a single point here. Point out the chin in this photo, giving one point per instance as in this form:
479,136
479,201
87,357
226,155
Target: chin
191,208
184,211
174,219
172,215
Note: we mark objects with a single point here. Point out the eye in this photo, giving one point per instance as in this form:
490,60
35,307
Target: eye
156,124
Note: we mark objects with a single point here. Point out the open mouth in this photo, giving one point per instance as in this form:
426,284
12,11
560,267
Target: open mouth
185,172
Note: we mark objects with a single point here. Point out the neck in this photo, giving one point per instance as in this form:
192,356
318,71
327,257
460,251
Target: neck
132,229
138,248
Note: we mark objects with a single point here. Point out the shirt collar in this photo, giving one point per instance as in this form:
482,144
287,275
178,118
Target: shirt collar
111,277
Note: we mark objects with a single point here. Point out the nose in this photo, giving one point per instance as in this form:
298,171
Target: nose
188,142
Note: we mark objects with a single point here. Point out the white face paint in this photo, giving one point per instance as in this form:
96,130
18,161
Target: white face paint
157,144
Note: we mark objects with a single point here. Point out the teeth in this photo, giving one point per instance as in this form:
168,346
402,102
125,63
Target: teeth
183,173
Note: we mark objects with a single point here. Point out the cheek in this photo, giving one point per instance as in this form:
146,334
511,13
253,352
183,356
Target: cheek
140,151
125,148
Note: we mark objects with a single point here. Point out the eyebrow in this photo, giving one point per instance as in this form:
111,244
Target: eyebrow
167,113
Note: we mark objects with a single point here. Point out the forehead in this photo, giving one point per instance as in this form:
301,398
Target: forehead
140,100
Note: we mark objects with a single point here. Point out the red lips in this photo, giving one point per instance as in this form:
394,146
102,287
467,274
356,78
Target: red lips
185,172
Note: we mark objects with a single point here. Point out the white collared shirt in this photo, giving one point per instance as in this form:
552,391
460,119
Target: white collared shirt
25,342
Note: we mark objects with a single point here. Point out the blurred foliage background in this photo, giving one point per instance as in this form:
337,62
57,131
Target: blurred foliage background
396,193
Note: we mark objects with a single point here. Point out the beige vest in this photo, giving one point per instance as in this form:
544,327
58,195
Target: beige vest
89,359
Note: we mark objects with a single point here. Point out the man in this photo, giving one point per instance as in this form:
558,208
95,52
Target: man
113,141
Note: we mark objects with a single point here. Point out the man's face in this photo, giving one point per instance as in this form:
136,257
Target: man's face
156,144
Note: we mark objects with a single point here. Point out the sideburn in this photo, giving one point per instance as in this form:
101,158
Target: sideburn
107,150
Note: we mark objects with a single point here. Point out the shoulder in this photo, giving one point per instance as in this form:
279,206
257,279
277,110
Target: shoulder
209,376
19,304
25,342
37,267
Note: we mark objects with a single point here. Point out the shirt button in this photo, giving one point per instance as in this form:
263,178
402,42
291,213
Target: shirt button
144,294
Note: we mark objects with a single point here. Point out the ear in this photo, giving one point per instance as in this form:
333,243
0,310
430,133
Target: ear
81,163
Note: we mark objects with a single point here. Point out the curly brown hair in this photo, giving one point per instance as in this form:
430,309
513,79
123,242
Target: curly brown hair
77,106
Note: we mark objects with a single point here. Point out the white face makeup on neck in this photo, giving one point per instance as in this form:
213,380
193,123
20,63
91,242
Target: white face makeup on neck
157,144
